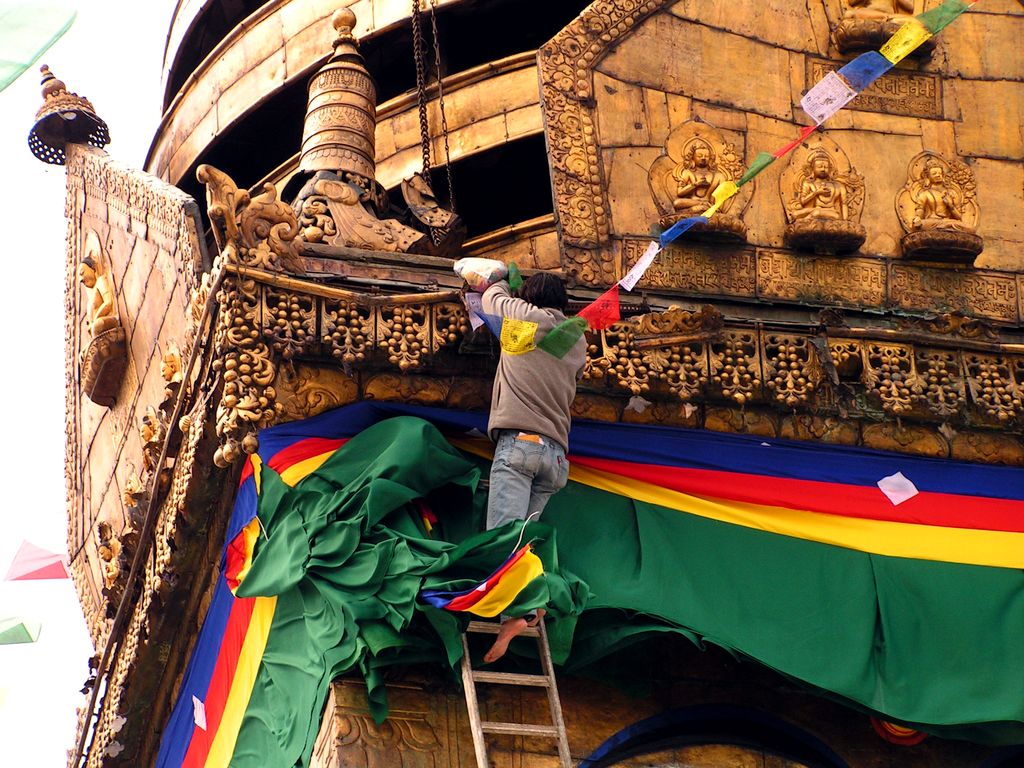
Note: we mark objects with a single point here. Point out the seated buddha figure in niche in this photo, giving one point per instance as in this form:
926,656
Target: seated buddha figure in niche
938,202
866,25
939,210
101,308
696,178
879,9
822,195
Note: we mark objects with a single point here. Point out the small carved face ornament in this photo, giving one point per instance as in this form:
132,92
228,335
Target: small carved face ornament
822,167
935,174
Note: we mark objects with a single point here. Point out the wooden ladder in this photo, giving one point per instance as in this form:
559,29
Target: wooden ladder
470,677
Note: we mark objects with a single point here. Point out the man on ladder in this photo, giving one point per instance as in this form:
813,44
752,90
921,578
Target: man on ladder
530,413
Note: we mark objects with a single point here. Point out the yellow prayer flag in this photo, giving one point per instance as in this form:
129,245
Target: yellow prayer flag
517,336
722,192
906,39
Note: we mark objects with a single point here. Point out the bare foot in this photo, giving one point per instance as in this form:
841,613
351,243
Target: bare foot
509,629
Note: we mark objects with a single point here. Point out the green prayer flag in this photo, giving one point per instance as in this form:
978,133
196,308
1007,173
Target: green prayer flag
14,631
762,161
937,19
563,337
26,32
515,278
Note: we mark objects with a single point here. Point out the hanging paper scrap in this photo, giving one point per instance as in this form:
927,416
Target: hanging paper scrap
897,488
828,96
907,38
474,304
865,69
604,310
637,270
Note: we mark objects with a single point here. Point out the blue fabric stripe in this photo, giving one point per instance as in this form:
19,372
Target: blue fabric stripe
177,736
700,449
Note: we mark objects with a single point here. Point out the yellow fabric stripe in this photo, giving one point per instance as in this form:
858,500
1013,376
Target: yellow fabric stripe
251,532
257,470
1002,549
249,659
300,469
512,583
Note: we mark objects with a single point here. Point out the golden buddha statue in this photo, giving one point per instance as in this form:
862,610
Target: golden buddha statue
696,178
102,306
880,9
938,210
822,195
938,202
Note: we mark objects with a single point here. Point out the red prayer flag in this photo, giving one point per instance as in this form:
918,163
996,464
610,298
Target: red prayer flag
602,311
34,562
806,131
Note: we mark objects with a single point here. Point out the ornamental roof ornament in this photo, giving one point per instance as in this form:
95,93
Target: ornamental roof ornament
341,116
65,118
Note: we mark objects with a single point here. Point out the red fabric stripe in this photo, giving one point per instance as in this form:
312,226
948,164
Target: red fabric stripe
467,601
220,682
247,471
235,557
927,508
303,449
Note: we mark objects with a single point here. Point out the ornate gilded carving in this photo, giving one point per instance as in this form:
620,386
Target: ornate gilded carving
736,365
289,321
666,349
697,160
821,279
939,211
244,360
254,232
566,72
695,268
944,390
105,359
792,370
823,196
348,330
993,386
306,391
971,293
340,213
889,373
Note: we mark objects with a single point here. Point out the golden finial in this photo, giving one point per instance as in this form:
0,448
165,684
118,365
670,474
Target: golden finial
65,118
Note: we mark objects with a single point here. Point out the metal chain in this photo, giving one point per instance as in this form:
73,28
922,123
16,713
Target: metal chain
440,104
421,86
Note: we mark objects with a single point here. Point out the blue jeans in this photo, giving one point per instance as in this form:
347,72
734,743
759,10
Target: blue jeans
524,475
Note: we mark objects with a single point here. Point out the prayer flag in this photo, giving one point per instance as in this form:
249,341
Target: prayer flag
828,96
563,337
806,131
517,336
722,192
681,226
637,271
515,278
14,631
32,562
602,311
762,161
474,304
865,69
937,19
495,593
27,30
907,38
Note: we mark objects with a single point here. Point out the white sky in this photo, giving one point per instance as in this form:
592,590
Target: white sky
111,55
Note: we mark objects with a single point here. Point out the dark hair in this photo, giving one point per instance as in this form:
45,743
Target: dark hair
545,290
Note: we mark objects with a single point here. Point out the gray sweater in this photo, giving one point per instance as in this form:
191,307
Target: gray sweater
533,391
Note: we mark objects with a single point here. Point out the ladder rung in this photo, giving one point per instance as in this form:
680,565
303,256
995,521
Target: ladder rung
492,628
510,678
520,729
